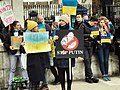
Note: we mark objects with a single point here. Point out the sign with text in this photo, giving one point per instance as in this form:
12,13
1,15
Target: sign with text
6,13
70,44
16,41
36,42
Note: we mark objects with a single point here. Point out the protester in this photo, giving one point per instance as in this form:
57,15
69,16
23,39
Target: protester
53,69
63,63
14,53
42,27
103,48
88,45
85,18
35,62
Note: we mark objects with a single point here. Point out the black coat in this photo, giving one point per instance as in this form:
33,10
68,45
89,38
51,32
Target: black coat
35,67
85,27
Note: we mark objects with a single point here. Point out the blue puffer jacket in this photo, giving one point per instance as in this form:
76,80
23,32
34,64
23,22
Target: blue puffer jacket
64,62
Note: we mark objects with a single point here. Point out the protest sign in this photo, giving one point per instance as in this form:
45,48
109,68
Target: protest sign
6,13
70,44
36,42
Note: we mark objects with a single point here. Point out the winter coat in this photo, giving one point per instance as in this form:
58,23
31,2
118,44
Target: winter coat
85,27
35,67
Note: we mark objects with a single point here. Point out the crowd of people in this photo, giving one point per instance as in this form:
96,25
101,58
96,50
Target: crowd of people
39,63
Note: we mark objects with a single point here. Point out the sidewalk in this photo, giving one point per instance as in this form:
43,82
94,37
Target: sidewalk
114,84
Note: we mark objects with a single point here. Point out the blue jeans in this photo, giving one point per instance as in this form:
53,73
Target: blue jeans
13,64
103,57
88,51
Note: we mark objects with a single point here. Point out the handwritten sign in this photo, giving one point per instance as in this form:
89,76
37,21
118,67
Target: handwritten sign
6,13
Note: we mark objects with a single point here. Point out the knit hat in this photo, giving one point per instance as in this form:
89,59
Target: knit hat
31,24
64,18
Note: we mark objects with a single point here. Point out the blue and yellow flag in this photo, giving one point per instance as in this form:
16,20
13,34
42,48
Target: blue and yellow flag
106,38
69,7
41,28
94,30
36,42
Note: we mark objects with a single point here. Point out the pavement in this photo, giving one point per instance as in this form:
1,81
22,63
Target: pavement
114,84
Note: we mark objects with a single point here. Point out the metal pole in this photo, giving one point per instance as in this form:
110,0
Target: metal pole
70,69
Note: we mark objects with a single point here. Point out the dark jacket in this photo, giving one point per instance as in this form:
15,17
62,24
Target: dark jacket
64,62
35,67
88,41
7,41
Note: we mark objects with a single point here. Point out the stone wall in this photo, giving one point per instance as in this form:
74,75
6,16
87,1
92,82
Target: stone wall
78,70
4,67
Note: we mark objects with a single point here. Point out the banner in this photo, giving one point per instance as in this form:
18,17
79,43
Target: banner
16,41
69,7
70,44
6,13
36,42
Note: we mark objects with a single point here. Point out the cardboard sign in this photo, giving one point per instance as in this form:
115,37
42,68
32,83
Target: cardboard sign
70,44
16,41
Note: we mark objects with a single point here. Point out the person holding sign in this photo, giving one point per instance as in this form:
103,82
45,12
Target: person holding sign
103,42
43,27
88,45
35,62
13,52
63,63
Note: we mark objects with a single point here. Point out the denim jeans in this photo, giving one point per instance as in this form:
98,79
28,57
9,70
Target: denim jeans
103,57
13,64
88,51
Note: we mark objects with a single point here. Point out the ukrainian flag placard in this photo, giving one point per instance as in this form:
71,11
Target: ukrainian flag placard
105,39
41,28
36,42
94,31
69,7
118,40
